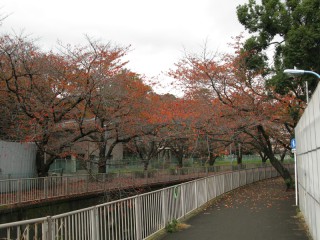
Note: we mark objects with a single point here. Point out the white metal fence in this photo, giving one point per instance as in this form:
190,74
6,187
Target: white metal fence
307,135
135,217
23,190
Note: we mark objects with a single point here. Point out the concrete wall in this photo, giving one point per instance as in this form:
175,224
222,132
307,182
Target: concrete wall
307,135
17,159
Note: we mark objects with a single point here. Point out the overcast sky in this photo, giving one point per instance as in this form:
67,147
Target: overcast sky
157,30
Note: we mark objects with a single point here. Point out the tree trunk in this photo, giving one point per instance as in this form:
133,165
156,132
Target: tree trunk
43,172
212,159
40,163
104,155
239,154
284,173
146,164
283,155
264,157
267,149
180,159
42,166
102,158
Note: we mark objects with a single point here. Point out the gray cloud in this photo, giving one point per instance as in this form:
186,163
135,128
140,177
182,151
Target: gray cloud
157,30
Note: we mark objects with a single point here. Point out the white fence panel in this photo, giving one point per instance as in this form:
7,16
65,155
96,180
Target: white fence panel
201,192
249,176
211,188
243,179
236,179
263,174
228,182
307,135
190,197
219,182
256,174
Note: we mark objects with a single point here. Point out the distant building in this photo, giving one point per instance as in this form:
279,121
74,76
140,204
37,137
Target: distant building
85,158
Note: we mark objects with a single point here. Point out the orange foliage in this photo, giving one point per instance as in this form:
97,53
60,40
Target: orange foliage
231,100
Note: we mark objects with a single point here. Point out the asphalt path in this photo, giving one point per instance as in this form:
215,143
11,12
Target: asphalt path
260,211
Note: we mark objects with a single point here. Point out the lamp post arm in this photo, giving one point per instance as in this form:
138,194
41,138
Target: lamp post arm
313,73
294,71
300,72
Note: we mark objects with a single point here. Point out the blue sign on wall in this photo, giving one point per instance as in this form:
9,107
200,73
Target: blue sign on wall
293,143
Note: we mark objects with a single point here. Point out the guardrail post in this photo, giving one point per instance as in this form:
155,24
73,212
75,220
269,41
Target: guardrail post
19,191
214,187
252,175
265,172
94,223
47,229
270,172
206,189
164,207
182,200
245,175
223,184
195,194
231,180
138,217
45,187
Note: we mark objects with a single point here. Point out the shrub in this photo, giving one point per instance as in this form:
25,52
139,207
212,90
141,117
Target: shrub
175,226
172,226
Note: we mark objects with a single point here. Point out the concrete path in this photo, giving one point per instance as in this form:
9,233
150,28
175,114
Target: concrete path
263,210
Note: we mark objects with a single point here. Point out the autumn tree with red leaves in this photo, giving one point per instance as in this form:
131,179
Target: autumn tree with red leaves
56,94
45,90
153,123
241,106
118,109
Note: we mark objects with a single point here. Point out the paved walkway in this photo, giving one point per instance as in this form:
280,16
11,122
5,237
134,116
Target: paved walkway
262,210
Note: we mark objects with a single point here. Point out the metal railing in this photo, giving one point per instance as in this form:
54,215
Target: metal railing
137,217
24,190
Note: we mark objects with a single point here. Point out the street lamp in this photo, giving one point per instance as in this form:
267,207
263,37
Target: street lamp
301,72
